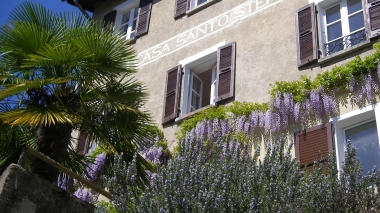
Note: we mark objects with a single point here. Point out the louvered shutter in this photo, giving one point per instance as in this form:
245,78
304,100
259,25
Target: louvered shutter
373,18
172,92
109,18
181,6
307,42
82,144
225,80
143,17
314,144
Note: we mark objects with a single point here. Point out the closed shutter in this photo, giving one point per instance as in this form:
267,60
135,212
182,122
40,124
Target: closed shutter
306,27
373,18
225,80
143,17
181,7
314,144
172,92
109,18
82,144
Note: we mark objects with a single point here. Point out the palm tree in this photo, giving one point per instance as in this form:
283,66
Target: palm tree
61,73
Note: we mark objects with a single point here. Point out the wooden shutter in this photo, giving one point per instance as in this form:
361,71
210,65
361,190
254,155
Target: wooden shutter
307,42
109,18
82,144
373,18
143,17
225,80
172,92
314,144
181,6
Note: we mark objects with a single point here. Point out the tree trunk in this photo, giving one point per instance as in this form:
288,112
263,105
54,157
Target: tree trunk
52,141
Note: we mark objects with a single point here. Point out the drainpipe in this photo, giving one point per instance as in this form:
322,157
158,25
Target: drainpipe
79,6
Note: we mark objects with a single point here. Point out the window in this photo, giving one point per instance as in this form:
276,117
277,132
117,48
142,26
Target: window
199,81
361,128
128,22
209,78
343,26
195,3
132,16
182,6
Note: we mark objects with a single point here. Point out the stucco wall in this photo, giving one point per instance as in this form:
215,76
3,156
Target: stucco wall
265,41
21,191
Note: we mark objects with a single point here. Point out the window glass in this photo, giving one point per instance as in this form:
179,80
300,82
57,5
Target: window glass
334,31
125,18
333,14
201,1
356,22
353,6
365,140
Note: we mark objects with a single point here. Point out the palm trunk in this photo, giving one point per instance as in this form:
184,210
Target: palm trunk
52,141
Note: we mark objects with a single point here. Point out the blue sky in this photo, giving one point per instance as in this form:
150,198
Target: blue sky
6,6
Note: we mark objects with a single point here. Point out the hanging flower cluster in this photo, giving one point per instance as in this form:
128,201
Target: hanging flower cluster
84,194
94,168
282,111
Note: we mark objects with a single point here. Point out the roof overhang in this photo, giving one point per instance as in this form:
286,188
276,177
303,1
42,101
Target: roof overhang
86,4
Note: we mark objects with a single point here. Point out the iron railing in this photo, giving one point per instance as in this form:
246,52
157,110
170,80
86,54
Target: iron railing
345,42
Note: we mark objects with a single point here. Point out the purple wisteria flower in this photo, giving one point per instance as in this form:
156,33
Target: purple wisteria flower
240,124
316,102
84,195
296,111
94,168
154,154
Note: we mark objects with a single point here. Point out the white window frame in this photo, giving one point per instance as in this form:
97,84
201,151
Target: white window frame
195,3
187,63
325,5
128,6
348,121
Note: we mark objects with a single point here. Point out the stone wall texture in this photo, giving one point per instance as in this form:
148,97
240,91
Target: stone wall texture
21,191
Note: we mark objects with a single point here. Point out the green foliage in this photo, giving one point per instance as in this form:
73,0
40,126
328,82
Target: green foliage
66,71
245,108
207,114
105,207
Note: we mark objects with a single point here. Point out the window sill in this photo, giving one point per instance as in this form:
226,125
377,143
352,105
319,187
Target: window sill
191,114
197,8
344,52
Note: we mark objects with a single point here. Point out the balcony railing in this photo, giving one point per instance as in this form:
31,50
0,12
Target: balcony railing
345,42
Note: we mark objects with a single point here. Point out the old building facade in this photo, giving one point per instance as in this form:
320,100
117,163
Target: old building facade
197,53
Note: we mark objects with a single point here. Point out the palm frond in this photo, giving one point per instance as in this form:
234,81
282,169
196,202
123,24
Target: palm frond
25,85
37,115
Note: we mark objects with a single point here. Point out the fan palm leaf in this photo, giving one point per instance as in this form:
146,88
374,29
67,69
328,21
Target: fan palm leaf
61,73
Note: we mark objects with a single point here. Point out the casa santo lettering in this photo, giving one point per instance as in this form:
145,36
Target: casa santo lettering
203,30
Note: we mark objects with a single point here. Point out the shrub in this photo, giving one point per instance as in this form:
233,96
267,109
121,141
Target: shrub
223,175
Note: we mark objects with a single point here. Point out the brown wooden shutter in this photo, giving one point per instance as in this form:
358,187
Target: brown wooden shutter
143,17
307,40
314,144
373,18
172,93
82,144
109,18
181,6
225,80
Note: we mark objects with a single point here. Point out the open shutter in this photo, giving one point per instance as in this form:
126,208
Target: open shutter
373,18
109,18
172,92
143,17
180,7
225,79
82,144
314,144
306,27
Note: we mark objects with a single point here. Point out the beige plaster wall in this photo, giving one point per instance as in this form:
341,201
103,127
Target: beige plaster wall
266,49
